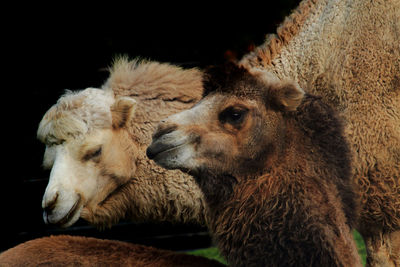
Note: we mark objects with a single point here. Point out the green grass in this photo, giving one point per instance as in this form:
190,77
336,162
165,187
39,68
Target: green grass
361,246
213,253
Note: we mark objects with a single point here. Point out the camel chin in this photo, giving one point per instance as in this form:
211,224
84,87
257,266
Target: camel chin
64,214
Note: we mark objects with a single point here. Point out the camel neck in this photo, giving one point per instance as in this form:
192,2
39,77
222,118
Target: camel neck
288,30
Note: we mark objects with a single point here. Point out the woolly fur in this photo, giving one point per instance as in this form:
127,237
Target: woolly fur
151,193
348,52
277,182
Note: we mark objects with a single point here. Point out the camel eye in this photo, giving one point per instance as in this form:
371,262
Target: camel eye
233,115
92,154
96,153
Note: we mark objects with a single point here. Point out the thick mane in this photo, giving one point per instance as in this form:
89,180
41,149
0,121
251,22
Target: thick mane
153,80
347,52
264,54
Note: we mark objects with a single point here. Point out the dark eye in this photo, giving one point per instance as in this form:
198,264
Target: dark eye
236,116
96,153
92,154
233,115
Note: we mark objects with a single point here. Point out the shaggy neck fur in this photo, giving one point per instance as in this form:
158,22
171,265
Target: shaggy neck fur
153,193
348,53
337,49
135,199
274,43
290,213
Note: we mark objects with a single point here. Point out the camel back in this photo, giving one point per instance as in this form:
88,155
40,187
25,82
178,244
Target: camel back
348,52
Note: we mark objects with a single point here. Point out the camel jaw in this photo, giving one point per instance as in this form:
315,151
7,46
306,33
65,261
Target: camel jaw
65,215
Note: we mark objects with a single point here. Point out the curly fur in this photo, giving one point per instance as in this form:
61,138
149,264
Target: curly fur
135,188
348,52
292,214
281,194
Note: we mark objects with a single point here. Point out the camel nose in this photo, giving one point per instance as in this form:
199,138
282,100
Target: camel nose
48,206
157,146
163,129
150,154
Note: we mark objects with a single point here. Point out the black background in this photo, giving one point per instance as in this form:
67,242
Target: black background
41,59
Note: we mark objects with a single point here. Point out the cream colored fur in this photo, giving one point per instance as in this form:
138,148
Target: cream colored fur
348,52
95,145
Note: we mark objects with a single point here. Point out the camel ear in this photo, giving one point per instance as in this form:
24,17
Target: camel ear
287,96
122,111
284,95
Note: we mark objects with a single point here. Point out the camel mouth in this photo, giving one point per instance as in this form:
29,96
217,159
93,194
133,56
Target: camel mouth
171,156
158,150
68,219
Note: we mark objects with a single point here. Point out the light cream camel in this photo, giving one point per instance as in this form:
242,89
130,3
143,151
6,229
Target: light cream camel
274,168
348,52
95,147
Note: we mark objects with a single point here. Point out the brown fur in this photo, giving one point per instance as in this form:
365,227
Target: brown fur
348,52
263,55
277,182
66,250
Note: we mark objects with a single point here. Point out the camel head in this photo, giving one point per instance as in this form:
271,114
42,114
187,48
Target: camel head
87,150
234,130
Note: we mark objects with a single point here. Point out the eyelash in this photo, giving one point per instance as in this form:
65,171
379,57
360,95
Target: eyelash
92,154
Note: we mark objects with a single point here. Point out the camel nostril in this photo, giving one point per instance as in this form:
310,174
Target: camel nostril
160,137
162,130
149,153
50,205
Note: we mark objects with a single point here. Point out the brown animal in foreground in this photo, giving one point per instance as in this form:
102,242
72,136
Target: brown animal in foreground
348,52
66,250
274,168
95,147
